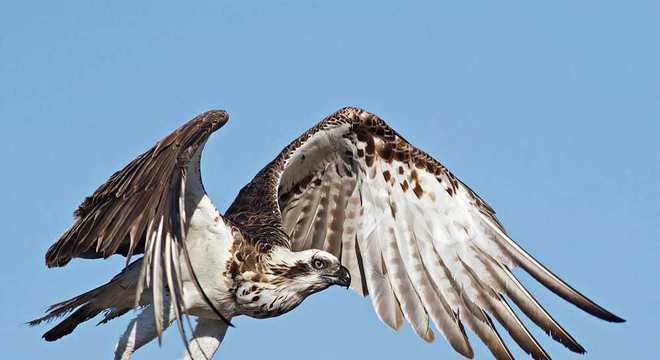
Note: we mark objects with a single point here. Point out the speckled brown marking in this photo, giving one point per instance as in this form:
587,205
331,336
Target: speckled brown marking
234,268
418,190
404,185
386,152
400,156
401,170
387,175
369,160
305,182
371,146
362,135
380,131
370,150
413,175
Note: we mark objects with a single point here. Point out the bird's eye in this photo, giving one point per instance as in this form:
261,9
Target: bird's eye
318,264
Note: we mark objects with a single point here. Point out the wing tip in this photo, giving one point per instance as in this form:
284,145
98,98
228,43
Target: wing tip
53,259
217,117
590,307
465,350
548,279
613,318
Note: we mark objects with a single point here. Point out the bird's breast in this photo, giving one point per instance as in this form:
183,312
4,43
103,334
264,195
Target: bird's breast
209,242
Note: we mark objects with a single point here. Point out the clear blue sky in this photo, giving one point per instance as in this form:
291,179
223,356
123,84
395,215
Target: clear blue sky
549,111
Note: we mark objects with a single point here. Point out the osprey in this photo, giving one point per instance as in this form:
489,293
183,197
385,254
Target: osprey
349,203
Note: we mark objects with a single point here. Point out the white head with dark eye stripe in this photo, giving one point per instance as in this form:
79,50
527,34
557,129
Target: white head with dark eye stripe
289,277
310,271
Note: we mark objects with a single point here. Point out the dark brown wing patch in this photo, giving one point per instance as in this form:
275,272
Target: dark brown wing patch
115,218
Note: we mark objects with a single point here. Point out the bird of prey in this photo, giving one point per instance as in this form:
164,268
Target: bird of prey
350,202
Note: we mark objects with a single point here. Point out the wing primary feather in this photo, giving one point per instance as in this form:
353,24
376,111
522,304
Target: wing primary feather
378,283
146,264
404,291
499,348
135,231
527,303
546,277
479,321
458,340
531,343
360,266
497,306
175,291
124,219
157,287
476,318
433,302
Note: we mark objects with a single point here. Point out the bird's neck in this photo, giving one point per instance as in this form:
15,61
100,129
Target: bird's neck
262,296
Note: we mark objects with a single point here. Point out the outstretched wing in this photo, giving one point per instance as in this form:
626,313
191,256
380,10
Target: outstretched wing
145,208
416,239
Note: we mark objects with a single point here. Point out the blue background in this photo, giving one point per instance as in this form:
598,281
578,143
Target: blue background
549,111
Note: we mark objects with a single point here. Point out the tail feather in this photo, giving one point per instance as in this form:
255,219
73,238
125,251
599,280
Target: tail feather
62,308
114,298
65,327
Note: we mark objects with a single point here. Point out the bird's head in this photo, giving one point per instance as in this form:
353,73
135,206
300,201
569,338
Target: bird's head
308,271
287,278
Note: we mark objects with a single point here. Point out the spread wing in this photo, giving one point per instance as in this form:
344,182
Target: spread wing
144,208
416,239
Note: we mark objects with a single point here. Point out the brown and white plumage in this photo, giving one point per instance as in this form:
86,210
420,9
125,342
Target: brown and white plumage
417,240
144,208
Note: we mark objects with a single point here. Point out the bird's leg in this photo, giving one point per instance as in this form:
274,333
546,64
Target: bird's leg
206,339
141,330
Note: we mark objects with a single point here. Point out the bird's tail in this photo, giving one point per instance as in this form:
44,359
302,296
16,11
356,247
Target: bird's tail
114,298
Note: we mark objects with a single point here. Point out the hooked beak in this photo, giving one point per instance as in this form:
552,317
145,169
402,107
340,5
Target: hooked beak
342,277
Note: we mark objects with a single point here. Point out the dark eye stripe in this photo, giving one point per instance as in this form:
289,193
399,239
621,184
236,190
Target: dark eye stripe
300,268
